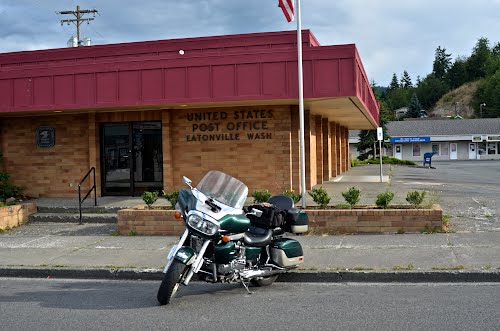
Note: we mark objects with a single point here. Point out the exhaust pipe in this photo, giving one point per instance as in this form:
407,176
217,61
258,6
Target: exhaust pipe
247,274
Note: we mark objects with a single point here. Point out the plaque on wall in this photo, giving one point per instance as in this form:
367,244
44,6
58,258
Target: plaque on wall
45,137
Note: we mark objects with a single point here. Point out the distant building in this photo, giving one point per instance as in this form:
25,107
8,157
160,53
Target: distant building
449,139
400,113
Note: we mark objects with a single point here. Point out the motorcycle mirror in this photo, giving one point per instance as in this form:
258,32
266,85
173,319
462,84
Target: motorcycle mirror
186,181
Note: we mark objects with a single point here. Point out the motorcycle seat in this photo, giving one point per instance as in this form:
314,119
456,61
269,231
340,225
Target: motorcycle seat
258,237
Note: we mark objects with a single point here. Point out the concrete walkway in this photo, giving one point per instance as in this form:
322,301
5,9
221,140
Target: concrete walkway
56,249
95,251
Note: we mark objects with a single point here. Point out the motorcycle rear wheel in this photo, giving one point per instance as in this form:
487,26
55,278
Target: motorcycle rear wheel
266,281
171,282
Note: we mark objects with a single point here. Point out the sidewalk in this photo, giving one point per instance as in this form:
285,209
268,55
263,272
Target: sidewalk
63,254
93,251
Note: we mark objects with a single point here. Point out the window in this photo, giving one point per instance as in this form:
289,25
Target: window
416,149
435,149
492,148
445,149
481,147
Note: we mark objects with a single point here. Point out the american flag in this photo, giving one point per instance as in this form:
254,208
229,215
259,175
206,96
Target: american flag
287,7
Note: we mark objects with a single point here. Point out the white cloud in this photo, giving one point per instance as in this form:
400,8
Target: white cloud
391,35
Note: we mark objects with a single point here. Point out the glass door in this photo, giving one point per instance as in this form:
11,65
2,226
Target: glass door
132,159
148,157
116,159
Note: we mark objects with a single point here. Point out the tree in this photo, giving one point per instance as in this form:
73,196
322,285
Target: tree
430,90
414,107
457,74
394,85
496,49
368,138
406,80
475,65
442,63
489,92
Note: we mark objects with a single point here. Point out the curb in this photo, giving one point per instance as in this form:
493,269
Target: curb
291,277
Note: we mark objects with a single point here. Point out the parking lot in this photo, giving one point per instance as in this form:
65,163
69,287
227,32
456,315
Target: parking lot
468,191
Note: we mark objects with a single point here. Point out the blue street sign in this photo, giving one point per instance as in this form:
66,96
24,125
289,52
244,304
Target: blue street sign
410,140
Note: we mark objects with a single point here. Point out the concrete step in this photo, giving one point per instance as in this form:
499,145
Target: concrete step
75,210
74,217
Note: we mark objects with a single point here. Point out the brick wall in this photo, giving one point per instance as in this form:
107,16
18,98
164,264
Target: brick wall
219,139
271,162
50,172
162,222
13,216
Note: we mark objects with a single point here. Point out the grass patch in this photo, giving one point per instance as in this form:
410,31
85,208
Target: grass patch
132,233
115,233
410,266
385,160
456,267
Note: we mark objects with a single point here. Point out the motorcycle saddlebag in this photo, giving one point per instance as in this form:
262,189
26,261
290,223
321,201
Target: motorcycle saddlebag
272,217
297,221
287,252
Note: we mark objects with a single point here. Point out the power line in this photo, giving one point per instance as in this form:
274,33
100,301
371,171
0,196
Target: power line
78,18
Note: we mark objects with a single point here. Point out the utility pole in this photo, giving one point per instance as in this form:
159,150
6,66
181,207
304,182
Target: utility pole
78,19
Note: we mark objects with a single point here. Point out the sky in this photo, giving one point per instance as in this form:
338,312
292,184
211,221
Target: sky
391,36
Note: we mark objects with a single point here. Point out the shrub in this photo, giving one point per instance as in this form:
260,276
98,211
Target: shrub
171,197
292,194
320,196
7,189
384,199
352,196
149,198
415,198
261,196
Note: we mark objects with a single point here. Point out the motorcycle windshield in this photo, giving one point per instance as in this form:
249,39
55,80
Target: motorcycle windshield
224,188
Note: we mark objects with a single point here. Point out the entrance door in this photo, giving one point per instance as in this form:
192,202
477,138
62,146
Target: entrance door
132,160
398,151
453,151
472,151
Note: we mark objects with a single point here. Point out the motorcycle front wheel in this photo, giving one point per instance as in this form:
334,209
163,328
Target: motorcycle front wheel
171,282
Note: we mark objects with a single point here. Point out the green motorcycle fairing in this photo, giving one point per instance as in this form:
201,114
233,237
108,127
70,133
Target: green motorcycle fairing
185,255
234,223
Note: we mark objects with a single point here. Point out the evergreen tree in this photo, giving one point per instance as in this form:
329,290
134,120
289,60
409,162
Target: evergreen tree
394,85
496,49
406,80
475,65
442,63
457,74
368,138
489,92
430,90
414,107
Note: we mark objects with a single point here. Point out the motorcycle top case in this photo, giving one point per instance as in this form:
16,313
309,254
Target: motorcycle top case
287,252
297,221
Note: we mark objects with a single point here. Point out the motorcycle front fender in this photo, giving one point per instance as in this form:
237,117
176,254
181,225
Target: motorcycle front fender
185,255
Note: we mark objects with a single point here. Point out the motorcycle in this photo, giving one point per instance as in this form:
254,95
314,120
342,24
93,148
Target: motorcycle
227,242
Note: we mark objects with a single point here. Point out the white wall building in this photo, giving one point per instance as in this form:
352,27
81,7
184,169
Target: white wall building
448,139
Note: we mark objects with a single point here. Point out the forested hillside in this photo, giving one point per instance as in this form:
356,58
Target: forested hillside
468,86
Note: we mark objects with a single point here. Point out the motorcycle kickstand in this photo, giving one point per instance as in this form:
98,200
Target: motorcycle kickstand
246,286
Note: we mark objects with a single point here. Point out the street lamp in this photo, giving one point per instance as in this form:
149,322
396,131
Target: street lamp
481,109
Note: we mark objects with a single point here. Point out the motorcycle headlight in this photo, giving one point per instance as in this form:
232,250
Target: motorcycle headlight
202,225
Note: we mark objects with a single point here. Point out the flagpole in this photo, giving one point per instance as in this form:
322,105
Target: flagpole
301,107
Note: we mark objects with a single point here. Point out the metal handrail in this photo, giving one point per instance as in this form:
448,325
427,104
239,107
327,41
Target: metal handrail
80,200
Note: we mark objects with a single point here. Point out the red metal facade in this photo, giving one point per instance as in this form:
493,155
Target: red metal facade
237,68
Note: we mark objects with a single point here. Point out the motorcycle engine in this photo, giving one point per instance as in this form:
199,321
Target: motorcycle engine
236,264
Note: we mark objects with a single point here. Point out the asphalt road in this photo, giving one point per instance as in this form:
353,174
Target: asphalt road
468,191
50,304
